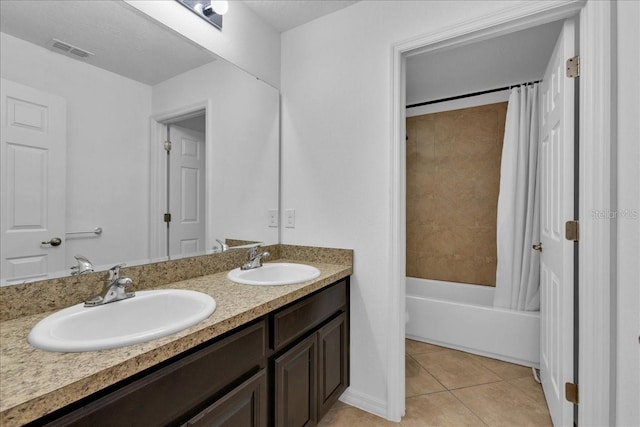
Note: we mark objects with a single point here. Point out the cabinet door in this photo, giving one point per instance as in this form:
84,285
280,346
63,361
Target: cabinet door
333,363
245,406
295,385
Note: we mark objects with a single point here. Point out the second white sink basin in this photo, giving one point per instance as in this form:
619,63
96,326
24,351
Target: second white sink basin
277,273
147,316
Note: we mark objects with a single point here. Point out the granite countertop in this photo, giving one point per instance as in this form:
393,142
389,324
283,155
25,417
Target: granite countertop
36,382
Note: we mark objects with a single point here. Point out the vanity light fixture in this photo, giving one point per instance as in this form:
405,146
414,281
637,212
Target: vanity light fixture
220,6
209,10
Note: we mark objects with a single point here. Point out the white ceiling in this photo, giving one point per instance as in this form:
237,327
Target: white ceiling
284,15
501,61
126,42
122,39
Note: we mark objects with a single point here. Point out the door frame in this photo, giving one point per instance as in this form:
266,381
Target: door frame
595,189
158,176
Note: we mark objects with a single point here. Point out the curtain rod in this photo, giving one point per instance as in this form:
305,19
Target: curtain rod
468,95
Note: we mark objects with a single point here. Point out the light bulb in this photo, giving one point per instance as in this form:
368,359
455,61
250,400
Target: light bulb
220,6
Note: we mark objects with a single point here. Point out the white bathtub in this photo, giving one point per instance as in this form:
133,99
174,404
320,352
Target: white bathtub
462,316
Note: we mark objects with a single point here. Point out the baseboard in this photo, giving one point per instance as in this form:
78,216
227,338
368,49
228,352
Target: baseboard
365,402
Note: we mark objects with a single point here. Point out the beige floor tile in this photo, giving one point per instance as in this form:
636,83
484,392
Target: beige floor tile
418,381
531,388
343,415
417,347
502,404
455,369
438,409
505,370
411,367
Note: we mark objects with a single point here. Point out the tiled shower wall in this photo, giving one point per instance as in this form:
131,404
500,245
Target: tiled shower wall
453,175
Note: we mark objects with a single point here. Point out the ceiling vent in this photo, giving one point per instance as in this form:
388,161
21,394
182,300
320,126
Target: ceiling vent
68,49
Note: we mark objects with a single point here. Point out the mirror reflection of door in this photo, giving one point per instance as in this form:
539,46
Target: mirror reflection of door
33,159
186,187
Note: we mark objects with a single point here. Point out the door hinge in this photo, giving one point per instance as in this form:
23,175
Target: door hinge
167,217
167,146
571,392
573,67
571,230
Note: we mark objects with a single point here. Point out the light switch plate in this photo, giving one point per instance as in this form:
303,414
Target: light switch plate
290,218
273,217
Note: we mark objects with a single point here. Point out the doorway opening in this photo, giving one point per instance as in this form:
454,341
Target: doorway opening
435,43
179,176
459,294
185,184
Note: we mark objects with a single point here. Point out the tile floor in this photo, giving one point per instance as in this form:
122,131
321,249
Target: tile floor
447,387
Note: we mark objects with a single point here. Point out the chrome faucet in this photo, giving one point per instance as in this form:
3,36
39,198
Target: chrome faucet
255,259
84,266
114,289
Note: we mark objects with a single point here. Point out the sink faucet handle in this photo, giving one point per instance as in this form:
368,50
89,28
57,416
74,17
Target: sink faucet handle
113,290
83,266
255,259
125,282
252,253
115,271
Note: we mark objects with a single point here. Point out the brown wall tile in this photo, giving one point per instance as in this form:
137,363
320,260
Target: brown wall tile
453,176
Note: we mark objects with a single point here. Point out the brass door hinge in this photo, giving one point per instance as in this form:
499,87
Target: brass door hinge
571,392
167,217
571,230
573,67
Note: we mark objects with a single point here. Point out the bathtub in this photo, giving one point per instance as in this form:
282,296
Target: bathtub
462,317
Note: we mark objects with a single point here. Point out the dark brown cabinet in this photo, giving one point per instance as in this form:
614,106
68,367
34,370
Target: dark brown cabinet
174,393
295,385
310,375
285,369
333,363
301,317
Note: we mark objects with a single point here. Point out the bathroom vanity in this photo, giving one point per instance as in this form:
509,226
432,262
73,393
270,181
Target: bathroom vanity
290,366
268,355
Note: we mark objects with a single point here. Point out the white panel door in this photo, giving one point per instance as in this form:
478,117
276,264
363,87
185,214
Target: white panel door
33,177
186,192
557,204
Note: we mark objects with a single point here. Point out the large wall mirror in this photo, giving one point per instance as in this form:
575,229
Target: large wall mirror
91,94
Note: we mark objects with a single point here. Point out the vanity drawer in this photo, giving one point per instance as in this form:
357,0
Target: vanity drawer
301,317
245,406
181,388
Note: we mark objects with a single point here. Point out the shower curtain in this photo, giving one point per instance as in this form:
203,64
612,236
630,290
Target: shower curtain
518,228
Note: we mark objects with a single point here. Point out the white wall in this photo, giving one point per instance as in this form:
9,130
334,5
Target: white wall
336,128
628,236
242,146
107,149
245,40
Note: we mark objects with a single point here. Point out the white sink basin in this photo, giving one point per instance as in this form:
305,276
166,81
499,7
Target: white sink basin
270,274
147,316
